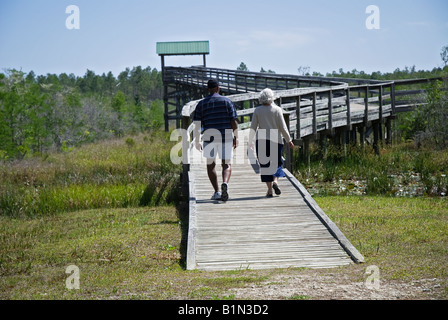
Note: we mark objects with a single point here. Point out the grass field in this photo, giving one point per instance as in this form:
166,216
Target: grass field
110,209
119,173
135,253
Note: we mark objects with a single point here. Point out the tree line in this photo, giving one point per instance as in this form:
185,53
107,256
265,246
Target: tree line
44,113
40,114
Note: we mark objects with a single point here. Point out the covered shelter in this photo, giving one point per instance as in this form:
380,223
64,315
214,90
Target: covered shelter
178,48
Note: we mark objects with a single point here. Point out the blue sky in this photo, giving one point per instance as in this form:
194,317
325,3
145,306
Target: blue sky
280,35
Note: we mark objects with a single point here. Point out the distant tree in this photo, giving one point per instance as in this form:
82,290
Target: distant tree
58,112
303,70
123,83
444,55
109,83
436,115
268,71
24,110
118,102
31,77
242,67
89,83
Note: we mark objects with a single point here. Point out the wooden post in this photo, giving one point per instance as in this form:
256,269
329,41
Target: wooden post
185,156
366,106
349,118
165,102
323,145
344,141
330,112
376,136
298,116
362,136
388,131
337,138
242,117
353,137
307,151
380,101
392,98
314,115
178,111
287,150
162,57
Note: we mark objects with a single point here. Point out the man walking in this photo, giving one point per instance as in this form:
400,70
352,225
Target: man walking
217,118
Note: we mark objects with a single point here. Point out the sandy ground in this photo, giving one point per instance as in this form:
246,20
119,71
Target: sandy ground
338,286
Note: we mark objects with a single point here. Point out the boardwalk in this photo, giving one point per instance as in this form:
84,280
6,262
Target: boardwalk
250,231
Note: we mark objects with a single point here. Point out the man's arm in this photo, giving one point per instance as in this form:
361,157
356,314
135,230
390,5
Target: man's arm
197,117
197,135
233,122
234,125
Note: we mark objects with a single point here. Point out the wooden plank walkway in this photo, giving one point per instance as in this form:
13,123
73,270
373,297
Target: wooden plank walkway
250,231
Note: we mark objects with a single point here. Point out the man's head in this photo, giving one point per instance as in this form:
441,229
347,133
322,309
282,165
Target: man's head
213,85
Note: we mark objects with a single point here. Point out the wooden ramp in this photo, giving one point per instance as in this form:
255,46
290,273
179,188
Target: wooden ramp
250,231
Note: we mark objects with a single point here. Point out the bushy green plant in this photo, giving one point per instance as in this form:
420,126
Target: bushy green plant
101,175
399,167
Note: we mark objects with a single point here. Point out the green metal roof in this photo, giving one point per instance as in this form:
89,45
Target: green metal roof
183,48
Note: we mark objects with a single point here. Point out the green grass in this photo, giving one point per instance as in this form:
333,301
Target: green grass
112,210
115,250
111,174
406,238
121,254
136,253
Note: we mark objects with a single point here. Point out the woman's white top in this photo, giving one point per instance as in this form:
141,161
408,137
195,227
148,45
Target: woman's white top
270,118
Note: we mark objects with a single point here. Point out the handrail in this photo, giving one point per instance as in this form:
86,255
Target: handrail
241,81
310,109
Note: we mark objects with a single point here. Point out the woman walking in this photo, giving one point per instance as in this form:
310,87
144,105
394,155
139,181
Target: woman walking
269,128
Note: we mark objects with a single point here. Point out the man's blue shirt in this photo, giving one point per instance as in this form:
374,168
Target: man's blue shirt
215,112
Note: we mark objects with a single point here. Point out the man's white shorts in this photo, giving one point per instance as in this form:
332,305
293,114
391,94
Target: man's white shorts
224,150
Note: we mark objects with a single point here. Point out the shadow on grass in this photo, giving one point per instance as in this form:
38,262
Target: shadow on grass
182,211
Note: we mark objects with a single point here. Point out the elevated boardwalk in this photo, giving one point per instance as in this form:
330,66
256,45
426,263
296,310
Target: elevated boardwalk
250,231
184,84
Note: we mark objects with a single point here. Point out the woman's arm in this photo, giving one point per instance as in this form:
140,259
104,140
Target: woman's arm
284,129
253,128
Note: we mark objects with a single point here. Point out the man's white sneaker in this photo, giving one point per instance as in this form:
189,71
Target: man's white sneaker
216,196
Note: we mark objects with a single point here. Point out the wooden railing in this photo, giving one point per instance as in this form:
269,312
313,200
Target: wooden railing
322,107
314,110
293,91
233,82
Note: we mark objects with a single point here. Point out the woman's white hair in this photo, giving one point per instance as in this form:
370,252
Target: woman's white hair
266,96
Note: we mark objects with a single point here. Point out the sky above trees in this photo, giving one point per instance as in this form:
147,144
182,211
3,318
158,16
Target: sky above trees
281,36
